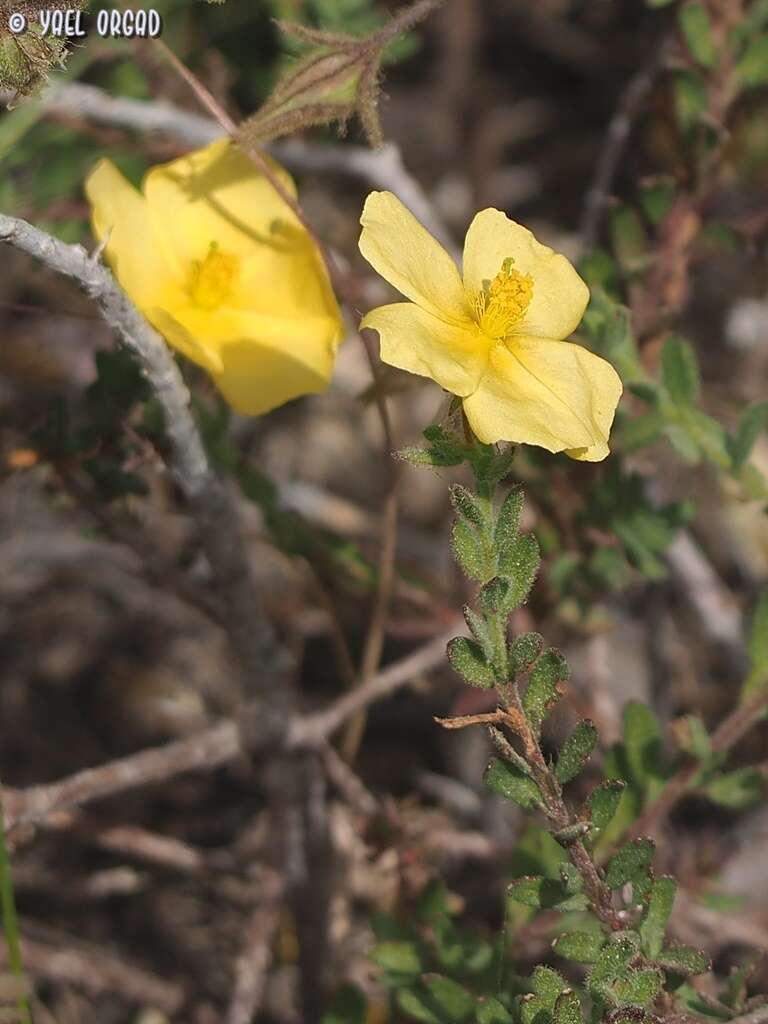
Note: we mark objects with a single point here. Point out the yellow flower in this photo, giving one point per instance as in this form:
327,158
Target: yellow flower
495,338
221,266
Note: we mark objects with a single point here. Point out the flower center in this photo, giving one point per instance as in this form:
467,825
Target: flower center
503,301
211,280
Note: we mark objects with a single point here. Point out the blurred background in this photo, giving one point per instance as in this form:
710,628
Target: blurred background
628,135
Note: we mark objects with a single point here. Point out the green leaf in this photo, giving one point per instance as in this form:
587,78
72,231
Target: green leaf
576,751
654,925
520,562
758,648
630,863
543,690
603,802
415,1005
491,1011
495,594
680,370
480,630
692,737
629,237
348,1006
508,521
685,446
641,431
696,28
451,999
397,957
753,422
683,960
470,551
547,893
508,781
507,751
567,1008
752,66
642,743
639,988
690,96
708,435
469,506
524,650
737,789
612,966
467,658
583,947
657,198
537,1007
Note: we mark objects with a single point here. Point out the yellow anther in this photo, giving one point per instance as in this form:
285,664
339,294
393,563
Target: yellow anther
503,301
211,280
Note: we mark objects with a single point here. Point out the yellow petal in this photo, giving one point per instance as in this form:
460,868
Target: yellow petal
217,197
553,394
559,294
258,361
405,254
120,214
417,341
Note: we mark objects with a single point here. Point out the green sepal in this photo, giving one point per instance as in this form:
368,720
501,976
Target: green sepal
630,863
467,658
583,947
508,781
543,690
576,751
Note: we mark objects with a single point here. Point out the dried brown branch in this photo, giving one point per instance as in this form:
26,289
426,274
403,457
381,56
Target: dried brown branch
219,745
253,963
630,102
209,501
97,972
381,168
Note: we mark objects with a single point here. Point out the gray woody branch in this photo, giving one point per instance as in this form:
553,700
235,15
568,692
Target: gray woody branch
210,503
383,168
